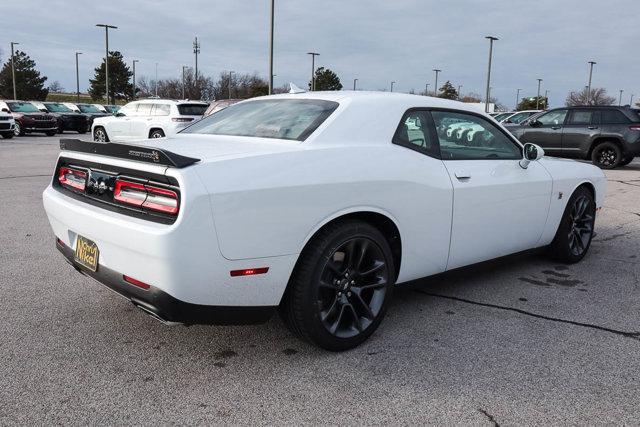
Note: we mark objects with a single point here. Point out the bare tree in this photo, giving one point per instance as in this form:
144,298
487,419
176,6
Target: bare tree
471,97
56,87
598,96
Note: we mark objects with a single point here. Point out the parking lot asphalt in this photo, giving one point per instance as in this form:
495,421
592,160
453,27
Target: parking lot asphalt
518,341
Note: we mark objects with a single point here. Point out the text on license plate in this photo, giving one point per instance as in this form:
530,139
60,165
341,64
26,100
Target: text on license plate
86,253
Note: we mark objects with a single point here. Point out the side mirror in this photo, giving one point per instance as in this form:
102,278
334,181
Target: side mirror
534,123
44,110
118,114
530,153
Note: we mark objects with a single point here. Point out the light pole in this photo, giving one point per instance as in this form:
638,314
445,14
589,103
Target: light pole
106,58
392,86
313,69
631,101
591,64
354,83
156,79
435,88
271,49
538,97
13,70
459,87
134,78
517,98
77,79
183,83
620,100
230,77
491,40
426,89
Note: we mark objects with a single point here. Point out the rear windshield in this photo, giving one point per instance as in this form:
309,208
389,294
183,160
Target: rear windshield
293,119
22,107
88,108
192,109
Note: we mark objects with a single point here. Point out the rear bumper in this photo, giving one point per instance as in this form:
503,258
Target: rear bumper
166,308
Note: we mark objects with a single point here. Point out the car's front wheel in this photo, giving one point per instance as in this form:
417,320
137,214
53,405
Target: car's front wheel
607,155
17,130
575,232
341,287
100,135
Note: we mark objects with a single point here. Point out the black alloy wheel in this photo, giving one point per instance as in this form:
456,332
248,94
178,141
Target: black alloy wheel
352,287
576,228
581,229
342,284
606,155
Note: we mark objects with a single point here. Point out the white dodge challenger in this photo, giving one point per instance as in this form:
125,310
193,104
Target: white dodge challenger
314,204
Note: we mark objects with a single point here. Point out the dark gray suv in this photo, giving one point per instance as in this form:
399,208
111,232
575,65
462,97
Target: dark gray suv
609,136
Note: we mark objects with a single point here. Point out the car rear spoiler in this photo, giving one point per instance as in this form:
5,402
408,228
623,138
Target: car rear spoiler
156,156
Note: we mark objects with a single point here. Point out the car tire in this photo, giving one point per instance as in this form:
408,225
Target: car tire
100,134
573,238
17,131
7,135
156,133
340,289
606,155
53,133
626,161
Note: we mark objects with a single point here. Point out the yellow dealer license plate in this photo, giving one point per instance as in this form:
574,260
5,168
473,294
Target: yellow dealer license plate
87,253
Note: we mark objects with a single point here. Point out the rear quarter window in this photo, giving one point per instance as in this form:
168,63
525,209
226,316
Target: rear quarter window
613,117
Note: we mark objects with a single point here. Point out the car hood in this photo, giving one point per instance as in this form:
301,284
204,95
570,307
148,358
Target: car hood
216,147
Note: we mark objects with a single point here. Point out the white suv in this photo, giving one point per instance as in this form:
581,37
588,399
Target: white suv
149,118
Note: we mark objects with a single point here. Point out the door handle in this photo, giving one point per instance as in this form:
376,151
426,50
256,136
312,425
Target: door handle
555,127
462,174
592,127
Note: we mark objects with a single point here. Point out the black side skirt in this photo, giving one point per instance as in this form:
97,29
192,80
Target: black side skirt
167,308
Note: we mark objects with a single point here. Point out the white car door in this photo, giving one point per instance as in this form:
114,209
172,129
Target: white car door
119,126
499,208
140,123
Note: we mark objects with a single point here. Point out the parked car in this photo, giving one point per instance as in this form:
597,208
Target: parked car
289,202
91,112
67,118
609,136
71,106
7,125
149,118
28,119
518,116
216,106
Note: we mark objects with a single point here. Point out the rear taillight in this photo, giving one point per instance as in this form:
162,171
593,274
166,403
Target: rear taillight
146,196
72,178
635,127
181,119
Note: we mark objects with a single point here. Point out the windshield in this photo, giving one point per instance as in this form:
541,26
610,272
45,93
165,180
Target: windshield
502,116
22,107
192,109
292,119
58,108
88,108
112,108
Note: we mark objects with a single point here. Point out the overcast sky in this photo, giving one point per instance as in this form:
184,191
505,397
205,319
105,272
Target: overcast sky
373,41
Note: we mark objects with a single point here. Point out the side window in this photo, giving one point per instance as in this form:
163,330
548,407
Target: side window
162,110
580,117
413,132
466,136
555,117
144,109
613,117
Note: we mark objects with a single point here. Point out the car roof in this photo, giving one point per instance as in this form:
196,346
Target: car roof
169,101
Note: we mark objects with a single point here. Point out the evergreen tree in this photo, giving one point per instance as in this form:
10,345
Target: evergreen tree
120,86
29,82
326,80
